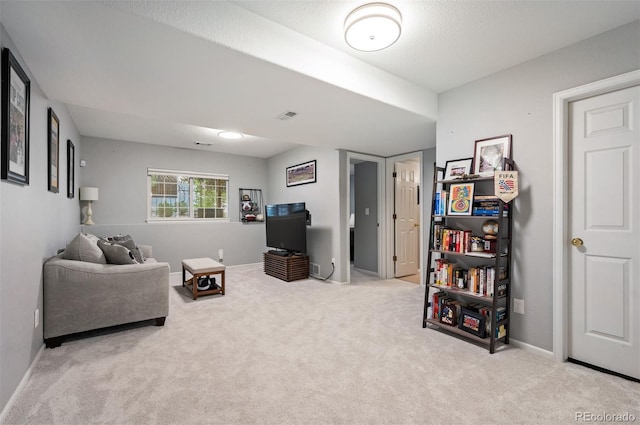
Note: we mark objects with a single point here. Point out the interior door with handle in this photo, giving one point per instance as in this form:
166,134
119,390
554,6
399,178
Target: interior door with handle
604,285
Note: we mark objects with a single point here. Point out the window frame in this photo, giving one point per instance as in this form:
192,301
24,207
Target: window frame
191,175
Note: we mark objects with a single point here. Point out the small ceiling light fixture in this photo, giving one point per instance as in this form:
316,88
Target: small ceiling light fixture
231,135
373,26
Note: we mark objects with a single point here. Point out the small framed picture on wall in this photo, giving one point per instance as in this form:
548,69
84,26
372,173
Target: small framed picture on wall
53,168
301,174
16,89
71,170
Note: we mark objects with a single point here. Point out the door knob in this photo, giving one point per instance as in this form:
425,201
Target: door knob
577,242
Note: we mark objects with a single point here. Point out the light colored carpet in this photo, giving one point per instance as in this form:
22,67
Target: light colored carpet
305,352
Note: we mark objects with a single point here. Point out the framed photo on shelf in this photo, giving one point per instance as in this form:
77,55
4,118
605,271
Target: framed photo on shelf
71,171
457,168
16,89
301,174
489,153
472,322
460,199
53,152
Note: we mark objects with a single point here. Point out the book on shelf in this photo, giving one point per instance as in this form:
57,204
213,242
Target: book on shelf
434,304
451,240
440,202
501,313
437,234
488,212
488,206
444,197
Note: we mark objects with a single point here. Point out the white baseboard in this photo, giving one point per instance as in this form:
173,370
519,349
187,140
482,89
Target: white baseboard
21,386
532,348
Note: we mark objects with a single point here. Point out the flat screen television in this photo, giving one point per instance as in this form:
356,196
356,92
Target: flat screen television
286,226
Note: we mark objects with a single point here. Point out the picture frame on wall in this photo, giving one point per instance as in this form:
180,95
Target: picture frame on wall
304,173
71,171
460,199
458,168
16,91
53,152
489,154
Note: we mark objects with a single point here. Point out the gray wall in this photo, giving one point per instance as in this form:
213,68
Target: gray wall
119,170
322,199
428,161
34,224
366,228
518,101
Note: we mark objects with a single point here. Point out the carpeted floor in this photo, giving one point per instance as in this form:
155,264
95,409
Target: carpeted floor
305,352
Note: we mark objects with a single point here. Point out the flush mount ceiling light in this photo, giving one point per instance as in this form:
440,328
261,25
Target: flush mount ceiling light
231,135
373,26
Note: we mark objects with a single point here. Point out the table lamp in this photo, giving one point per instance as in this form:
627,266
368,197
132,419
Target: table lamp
89,194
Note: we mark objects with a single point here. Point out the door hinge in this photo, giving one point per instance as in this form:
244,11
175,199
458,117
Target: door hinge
395,258
394,175
395,216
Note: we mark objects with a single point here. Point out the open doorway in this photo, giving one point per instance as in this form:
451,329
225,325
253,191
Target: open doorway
366,211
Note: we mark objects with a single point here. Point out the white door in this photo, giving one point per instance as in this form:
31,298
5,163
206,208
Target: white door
407,220
604,285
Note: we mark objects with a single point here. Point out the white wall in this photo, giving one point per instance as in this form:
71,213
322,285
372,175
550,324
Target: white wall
322,200
119,170
518,101
34,224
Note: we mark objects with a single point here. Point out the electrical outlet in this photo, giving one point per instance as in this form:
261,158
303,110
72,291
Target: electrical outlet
36,318
518,306
333,261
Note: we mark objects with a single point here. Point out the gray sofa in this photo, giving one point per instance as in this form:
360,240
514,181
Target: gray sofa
81,296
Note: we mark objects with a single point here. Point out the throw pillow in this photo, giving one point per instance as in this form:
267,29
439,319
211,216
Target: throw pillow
128,242
82,248
116,254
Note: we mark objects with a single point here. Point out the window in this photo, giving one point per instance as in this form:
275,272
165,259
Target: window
183,195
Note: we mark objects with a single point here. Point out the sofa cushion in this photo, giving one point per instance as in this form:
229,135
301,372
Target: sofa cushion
84,248
128,242
116,254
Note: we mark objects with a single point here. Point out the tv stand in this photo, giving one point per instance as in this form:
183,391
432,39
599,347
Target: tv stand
286,266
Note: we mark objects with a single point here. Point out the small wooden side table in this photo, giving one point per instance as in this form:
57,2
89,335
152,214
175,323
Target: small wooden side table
199,267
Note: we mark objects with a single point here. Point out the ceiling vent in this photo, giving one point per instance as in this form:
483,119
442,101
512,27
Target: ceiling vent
286,115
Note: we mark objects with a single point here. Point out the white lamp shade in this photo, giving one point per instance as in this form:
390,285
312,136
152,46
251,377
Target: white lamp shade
88,193
373,26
